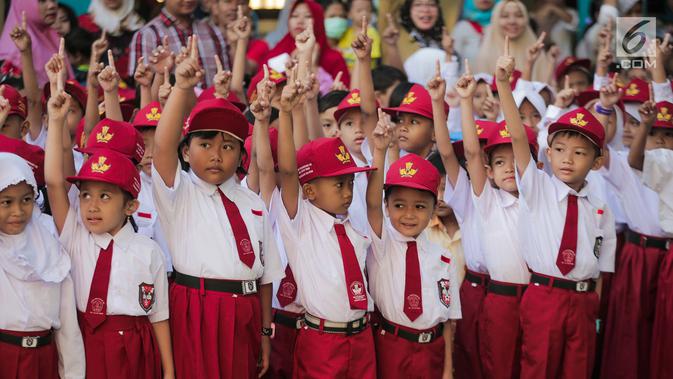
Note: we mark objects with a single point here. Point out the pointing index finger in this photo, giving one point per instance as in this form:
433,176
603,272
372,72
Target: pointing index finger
239,12
111,59
266,72
338,76
166,76
23,20
364,25
566,84
541,38
506,52
61,48
468,70
218,63
194,48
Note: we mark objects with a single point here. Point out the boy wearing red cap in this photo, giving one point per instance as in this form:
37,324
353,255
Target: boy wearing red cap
570,239
498,210
633,292
326,254
658,176
119,276
414,118
415,336
13,113
222,247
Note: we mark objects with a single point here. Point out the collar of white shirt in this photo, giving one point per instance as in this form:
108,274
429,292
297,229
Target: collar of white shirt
401,238
506,198
122,239
562,191
210,189
324,220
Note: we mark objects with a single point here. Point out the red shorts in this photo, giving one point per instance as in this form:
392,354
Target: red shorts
466,356
18,362
662,336
282,347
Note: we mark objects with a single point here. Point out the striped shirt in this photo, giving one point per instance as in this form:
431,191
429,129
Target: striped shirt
211,42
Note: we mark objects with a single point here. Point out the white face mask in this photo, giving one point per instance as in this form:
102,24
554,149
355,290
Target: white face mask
335,27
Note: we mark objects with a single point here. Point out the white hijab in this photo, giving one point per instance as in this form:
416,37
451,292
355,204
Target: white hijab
34,254
115,21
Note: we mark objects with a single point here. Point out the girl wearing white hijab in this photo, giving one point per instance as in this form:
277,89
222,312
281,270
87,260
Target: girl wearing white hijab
39,334
115,21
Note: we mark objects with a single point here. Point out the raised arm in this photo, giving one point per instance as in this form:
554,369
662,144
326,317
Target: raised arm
648,112
381,136
287,156
609,96
437,89
362,47
91,116
261,109
23,43
109,81
169,131
242,29
532,54
143,78
466,87
503,71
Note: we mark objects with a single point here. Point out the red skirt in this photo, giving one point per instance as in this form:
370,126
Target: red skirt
282,349
628,333
399,358
662,335
215,335
17,362
466,356
121,347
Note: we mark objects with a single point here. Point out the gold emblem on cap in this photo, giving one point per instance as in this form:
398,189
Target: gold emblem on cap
480,130
408,171
409,98
663,115
100,166
104,136
504,133
343,156
354,98
578,120
632,90
275,75
154,114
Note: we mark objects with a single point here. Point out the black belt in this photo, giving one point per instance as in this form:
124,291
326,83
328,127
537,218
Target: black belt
646,241
240,287
474,278
425,336
28,342
584,286
349,328
292,322
506,289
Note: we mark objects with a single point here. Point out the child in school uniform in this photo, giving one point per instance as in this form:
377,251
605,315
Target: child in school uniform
119,276
14,124
326,254
497,210
223,251
570,238
633,292
39,335
415,335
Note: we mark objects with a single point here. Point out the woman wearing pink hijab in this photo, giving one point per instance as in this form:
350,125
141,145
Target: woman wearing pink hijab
40,15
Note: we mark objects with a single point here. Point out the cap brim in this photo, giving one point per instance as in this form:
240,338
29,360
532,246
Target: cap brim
350,170
412,186
396,110
339,113
555,128
76,179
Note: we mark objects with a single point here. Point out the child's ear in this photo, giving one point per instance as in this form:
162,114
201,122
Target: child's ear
540,165
185,152
433,134
489,171
547,152
598,163
309,191
25,126
131,207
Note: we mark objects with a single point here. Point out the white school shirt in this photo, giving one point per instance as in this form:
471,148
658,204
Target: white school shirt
294,306
640,203
357,211
662,91
497,212
147,218
36,305
460,200
386,266
658,176
200,237
315,257
136,260
544,202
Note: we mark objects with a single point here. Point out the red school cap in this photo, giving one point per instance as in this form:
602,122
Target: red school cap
582,121
513,80
351,101
636,91
17,103
325,157
412,171
118,136
209,93
217,115
571,62
416,101
108,166
664,110
275,77
586,96
484,130
32,154
73,89
148,116
503,137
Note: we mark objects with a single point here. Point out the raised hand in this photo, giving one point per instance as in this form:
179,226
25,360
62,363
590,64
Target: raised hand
221,80
4,106
610,94
604,54
305,41
261,107
312,87
184,52
533,52
437,85
565,96
162,57
143,75
242,27
53,69
165,88
505,64
648,113
292,91
189,73
391,34
383,132
466,85
337,84
109,77
99,47
362,45
20,36
58,106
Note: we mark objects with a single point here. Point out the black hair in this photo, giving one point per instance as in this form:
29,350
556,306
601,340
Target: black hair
128,197
79,41
349,4
204,134
330,99
385,76
433,34
70,14
399,93
489,154
436,159
583,70
387,191
572,133
251,117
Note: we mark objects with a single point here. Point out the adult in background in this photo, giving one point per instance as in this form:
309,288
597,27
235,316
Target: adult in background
40,15
119,21
176,23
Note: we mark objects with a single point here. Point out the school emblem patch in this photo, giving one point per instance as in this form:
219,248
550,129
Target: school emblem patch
97,305
358,291
246,246
443,285
597,247
568,257
414,301
288,290
146,296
